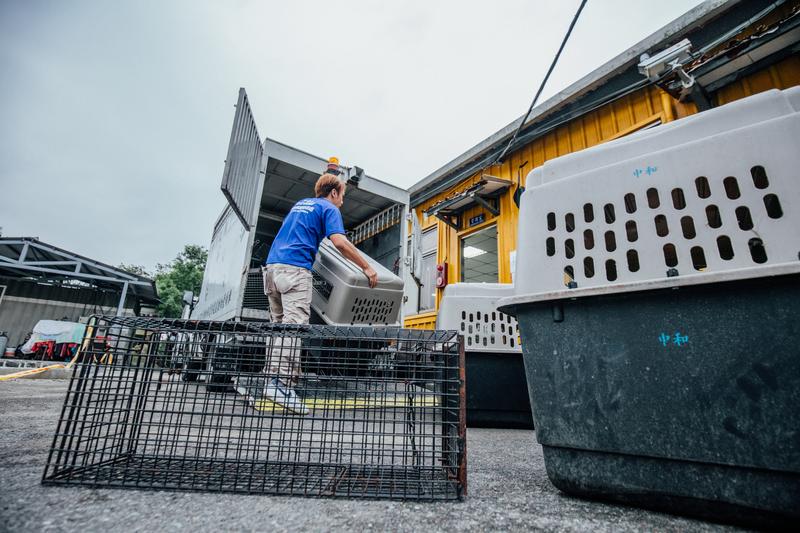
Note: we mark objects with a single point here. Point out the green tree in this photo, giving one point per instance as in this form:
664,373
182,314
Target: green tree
184,273
137,270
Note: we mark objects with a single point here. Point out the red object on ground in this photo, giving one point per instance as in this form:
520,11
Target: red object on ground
50,351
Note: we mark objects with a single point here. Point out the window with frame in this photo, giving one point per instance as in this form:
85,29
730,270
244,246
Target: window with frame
479,256
427,290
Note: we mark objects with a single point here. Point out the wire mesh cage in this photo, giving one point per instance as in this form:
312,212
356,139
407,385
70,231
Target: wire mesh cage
264,408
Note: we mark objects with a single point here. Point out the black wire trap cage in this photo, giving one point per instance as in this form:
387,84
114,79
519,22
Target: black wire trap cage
366,412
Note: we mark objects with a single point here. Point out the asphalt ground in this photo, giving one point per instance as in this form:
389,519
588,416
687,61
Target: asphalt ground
508,491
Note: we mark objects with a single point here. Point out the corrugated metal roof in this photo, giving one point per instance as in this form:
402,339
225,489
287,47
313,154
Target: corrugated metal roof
30,258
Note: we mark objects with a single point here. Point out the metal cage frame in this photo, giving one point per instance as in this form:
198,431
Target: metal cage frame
165,404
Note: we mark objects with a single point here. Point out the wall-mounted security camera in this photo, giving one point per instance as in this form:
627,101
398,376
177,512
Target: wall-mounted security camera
667,61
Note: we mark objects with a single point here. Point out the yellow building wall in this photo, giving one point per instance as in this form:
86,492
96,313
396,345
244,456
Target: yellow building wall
421,321
616,119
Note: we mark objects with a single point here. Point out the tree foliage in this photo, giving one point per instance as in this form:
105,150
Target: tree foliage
137,270
184,273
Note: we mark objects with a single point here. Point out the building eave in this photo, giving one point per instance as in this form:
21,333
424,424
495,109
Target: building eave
696,17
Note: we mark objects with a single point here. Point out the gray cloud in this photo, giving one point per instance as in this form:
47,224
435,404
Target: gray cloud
115,116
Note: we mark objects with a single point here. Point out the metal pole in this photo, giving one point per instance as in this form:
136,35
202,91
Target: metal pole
121,304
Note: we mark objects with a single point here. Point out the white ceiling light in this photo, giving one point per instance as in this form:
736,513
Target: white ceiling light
471,251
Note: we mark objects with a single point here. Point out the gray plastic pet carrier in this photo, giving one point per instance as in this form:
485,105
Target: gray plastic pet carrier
497,393
342,294
659,324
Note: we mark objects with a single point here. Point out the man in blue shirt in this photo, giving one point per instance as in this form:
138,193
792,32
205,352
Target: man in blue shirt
288,282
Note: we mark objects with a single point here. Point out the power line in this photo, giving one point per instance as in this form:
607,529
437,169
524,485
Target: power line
499,158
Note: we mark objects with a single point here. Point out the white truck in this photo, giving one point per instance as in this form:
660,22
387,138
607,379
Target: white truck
262,181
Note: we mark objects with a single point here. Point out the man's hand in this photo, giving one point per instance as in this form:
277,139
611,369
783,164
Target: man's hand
372,276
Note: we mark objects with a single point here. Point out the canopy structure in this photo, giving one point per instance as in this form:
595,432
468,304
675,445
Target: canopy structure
27,258
483,193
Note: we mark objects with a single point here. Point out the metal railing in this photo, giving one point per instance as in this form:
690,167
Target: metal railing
383,220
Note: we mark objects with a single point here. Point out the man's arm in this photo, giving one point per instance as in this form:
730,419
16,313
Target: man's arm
351,252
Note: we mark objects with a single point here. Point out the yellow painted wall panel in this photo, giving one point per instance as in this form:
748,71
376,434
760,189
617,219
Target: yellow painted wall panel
789,71
562,142
577,139
550,149
422,321
621,117
607,125
760,82
684,109
589,124
623,113
782,75
538,153
642,106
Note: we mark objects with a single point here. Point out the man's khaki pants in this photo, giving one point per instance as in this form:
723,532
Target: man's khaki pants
288,289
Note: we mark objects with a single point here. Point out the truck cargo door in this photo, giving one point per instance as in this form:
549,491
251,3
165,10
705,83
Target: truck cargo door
242,174
415,259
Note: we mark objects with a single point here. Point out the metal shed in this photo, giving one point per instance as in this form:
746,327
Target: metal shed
40,281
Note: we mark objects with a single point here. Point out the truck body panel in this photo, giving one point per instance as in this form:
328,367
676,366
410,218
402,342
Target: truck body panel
232,285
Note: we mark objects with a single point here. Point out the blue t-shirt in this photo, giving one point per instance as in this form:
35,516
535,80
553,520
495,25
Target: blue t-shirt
309,221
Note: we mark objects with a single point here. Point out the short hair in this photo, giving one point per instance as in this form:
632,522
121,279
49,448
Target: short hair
327,183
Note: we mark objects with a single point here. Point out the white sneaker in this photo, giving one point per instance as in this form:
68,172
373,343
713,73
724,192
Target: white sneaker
265,394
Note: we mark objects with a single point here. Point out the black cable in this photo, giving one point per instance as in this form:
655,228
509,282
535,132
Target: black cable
533,133
499,158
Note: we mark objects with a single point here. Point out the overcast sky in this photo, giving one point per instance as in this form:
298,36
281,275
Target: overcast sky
115,116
